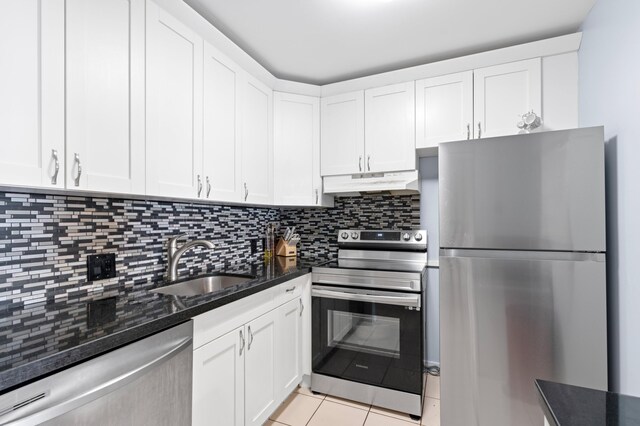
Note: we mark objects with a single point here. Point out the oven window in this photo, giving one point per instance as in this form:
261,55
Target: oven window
367,342
373,334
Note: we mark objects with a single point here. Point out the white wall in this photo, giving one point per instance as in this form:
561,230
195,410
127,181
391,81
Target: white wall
610,96
429,221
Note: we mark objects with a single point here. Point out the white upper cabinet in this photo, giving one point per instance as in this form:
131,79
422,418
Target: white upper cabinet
297,179
502,93
257,142
32,93
174,107
390,143
444,109
105,95
342,134
221,136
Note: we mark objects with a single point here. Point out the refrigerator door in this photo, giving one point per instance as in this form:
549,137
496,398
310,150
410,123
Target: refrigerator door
541,191
508,318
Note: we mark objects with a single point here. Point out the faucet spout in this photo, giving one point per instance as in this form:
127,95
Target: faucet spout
176,253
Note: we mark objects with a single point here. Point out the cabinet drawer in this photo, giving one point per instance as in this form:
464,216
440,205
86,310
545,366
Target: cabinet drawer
290,290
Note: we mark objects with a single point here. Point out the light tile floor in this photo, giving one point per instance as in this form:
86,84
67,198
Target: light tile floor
303,408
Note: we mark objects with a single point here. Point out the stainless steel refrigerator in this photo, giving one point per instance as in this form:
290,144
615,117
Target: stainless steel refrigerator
522,272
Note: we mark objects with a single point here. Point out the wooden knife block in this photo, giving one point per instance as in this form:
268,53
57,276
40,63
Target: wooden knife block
286,250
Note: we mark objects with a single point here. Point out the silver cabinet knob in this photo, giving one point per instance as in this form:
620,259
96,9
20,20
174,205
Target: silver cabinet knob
241,342
76,160
301,307
246,191
56,166
250,338
208,187
199,186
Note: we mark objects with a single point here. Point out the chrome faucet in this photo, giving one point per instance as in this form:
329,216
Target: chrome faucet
175,253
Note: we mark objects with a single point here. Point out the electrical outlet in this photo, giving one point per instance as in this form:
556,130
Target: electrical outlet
101,266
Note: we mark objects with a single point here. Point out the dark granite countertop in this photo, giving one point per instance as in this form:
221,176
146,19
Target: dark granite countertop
38,340
566,405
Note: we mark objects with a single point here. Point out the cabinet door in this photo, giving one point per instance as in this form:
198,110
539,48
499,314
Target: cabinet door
174,107
390,143
260,359
502,93
32,93
221,137
105,95
296,133
289,348
218,381
257,142
444,109
342,135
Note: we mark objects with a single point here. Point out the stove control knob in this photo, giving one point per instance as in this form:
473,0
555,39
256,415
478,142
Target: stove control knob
344,235
354,235
418,236
406,236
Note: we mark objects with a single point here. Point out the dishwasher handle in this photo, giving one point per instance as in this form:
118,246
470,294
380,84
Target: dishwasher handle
56,395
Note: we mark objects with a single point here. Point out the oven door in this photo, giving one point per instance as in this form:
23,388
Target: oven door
367,336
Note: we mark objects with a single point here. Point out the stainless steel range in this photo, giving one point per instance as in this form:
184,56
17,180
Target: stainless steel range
367,323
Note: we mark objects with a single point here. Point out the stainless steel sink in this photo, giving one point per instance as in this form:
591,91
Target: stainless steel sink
203,285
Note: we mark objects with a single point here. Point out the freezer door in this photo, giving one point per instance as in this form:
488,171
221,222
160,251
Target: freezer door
541,191
509,318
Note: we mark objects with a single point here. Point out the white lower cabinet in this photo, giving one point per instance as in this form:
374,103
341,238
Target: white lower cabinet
289,347
218,381
242,376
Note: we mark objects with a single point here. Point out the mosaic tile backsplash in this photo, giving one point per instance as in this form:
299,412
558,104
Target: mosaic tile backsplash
45,239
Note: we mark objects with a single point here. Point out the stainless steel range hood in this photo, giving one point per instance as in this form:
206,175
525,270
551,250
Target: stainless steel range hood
397,183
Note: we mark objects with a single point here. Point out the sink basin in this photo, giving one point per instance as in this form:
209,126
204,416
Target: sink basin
203,285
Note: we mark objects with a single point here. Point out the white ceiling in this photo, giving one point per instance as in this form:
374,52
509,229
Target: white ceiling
324,41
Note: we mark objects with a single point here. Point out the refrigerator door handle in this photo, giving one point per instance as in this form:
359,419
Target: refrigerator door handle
525,255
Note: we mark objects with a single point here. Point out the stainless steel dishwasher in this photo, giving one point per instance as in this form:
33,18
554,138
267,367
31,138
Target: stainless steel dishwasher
145,383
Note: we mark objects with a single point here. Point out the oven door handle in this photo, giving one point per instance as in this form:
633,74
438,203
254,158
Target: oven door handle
410,300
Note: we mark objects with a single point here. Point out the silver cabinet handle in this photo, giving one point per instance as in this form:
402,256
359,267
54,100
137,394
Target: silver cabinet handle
360,163
199,186
76,159
317,196
468,131
241,342
208,187
368,163
479,130
301,307
56,169
250,338
289,290
246,191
